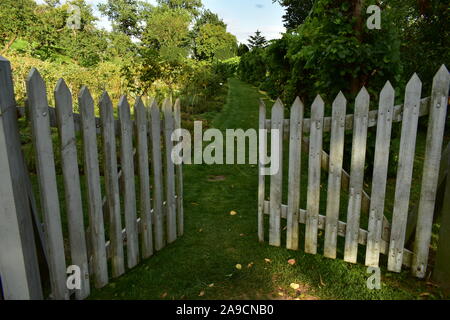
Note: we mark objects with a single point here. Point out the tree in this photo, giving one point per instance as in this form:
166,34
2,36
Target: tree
16,19
257,40
125,15
192,6
296,12
242,49
214,42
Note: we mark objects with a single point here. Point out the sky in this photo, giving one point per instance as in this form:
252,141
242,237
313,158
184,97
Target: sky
243,17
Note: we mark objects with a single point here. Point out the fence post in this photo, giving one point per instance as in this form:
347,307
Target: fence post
441,272
19,269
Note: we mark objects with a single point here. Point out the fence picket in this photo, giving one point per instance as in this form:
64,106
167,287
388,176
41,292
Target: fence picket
436,126
179,175
169,126
112,185
276,179
129,192
380,171
92,172
144,179
158,219
313,196
262,152
45,164
295,150
356,175
335,175
404,173
71,177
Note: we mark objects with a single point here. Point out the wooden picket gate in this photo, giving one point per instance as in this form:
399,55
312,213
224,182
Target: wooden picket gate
382,236
152,220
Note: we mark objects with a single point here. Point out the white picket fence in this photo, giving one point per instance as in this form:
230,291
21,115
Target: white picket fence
382,236
152,220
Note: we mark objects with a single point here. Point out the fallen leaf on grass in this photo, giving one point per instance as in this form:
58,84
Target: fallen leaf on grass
250,265
211,285
292,262
239,266
233,213
424,294
267,260
201,294
164,295
295,286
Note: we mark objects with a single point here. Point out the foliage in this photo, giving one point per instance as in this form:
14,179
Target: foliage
257,40
242,49
296,12
252,67
214,42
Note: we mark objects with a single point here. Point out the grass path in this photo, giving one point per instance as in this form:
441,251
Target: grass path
202,264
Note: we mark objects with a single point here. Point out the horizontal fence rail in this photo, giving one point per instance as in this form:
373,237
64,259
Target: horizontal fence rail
125,181
382,235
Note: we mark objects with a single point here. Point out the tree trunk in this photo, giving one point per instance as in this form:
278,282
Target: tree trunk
356,82
9,44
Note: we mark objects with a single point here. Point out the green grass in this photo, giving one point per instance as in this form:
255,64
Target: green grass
202,264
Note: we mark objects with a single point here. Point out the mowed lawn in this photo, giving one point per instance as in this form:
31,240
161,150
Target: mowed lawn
219,257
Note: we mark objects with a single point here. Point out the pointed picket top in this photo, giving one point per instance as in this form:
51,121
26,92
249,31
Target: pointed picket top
363,95
139,103
318,102
278,107
340,99
442,74
63,97
177,105
297,109
388,89
167,107
154,109
442,79
61,87
37,92
124,108
414,84
387,94
85,96
105,99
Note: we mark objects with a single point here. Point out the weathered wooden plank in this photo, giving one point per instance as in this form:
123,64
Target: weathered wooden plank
397,117
262,152
404,173
92,172
112,185
342,226
45,164
158,219
382,147
276,180
345,185
129,192
313,195
436,126
335,174
179,175
171,217
144,179
19,268
295,150
71,177
356,175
